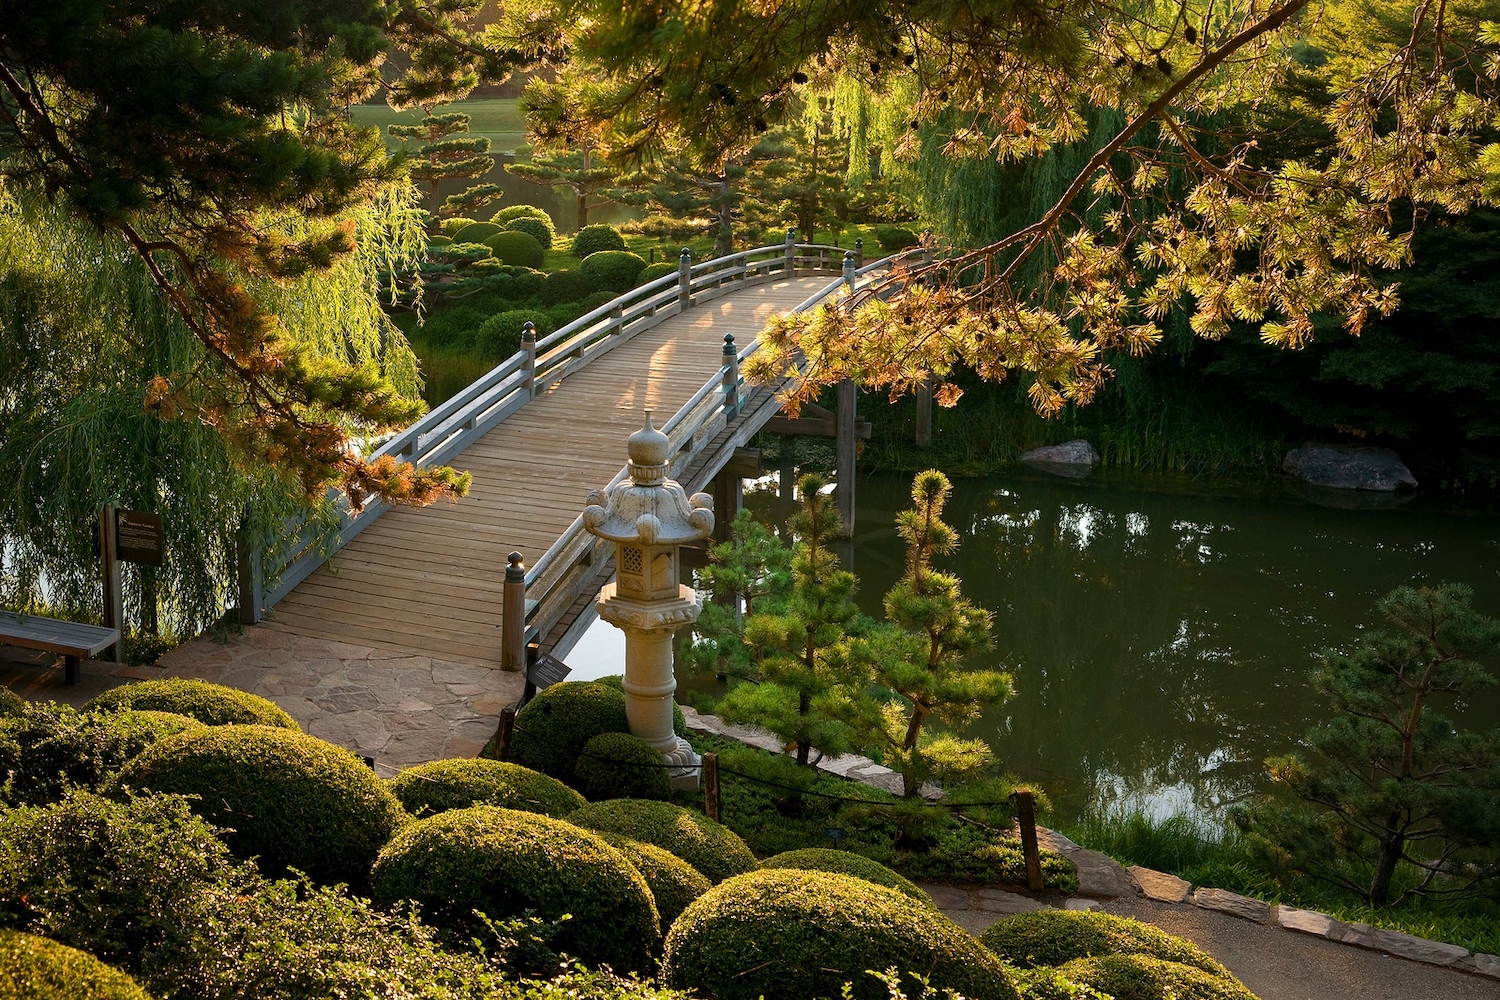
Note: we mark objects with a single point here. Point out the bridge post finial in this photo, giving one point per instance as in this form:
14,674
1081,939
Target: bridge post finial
859,251
791,251
513,615
685,278
849,269
528,344
731,367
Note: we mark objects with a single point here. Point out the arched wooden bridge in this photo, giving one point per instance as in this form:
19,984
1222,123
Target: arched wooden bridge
537,433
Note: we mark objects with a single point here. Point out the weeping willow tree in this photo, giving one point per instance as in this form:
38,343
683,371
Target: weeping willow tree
85,337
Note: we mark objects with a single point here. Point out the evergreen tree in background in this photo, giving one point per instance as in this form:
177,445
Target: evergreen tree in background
448,153
749,574
583,173
1403,800
567,151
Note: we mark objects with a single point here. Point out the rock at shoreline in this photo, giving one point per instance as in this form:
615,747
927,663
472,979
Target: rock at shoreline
1349,467
1074,459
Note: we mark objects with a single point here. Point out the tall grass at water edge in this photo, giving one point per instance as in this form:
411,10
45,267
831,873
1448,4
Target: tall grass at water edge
1214,854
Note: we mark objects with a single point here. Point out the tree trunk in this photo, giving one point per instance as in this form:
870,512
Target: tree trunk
724,243
1385,865
803,704
583,209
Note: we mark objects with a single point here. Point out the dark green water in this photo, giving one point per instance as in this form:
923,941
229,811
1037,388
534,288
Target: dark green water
1160,632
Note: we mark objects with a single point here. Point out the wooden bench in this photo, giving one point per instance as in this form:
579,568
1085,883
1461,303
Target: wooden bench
73,640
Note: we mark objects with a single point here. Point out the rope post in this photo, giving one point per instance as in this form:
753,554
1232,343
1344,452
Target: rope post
685,278
528,344
731,366
791,252
513,616
859,251
504,733
849,267
711,786
1026,820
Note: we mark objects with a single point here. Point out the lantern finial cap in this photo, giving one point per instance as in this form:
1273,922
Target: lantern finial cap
649,450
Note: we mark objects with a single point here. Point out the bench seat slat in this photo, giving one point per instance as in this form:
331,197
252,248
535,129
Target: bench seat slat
53,635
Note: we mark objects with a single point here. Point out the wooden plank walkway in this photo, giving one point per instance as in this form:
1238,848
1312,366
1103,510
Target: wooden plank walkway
428,582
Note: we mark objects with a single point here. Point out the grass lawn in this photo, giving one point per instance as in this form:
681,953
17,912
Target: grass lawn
497,119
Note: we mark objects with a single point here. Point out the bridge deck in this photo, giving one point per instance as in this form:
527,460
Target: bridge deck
429,581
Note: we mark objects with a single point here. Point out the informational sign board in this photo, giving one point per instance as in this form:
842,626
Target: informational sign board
138,537
547,671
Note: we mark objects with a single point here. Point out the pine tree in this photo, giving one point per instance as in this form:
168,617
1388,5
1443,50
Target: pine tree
749,574
1404,800
579,170
447,153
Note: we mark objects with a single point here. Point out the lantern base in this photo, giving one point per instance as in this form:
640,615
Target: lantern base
686,767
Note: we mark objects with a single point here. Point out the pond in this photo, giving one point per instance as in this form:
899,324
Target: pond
1160,631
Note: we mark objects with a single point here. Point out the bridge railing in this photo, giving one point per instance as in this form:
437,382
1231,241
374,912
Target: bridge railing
448,428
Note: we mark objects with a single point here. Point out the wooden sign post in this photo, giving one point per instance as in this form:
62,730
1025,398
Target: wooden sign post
132,536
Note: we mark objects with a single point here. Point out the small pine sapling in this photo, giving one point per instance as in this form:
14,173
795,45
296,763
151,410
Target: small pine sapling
747,575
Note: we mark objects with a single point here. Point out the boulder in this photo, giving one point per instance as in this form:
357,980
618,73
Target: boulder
1074,459
1233,904
1349,467
1160,886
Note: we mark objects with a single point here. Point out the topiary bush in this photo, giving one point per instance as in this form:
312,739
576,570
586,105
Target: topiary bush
457,784
592,239
674,883
452,227
51,747
499,336
1054,937
11,704
211,704
805,934
538,229
517,249
553,727
526,282
823,859
565,286
713,849
612,270
653,271
896,238
287,799
1142,977
594,300
474,232
504,863
621,766
617,681
33,968
511,213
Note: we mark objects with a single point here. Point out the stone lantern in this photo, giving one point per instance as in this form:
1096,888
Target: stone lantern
647,516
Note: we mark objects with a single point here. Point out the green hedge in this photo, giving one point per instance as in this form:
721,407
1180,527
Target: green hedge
499,336
1054,937
51,747
516,248
565,286
823,859
612,270
287,799
592,239
457,784
895,238
654,271
33,968
553,727
798,934
505,863
474,232
511,213
1141,977
621,766
713,849
11,703
212,704
538,229
674,883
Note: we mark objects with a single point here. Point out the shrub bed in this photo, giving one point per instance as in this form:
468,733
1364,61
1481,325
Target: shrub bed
823,859
51,747
1141,977
805,934
457,784
1055,937
287,799
716,851
612,270
674,883
211,704
621,766
33,968
592,239
553,727
516,248
504,863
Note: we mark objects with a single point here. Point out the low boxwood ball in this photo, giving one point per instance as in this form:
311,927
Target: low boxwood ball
441,785
211,704
712,848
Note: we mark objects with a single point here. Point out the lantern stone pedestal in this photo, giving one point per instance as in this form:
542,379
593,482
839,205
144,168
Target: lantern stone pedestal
647,517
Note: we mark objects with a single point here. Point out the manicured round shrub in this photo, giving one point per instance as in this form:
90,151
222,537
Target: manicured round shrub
1141,977
50,747
805,934
592,239
565,286
712,848
499,336
553,727
287,799
621,766
518,249
462,782
526,282
34,968
617,681
474,232
434,242
612,270
1053,937
11,703
653,271
212,704
823,859
510,213
538,229
674,883
895,238
503,863
452,227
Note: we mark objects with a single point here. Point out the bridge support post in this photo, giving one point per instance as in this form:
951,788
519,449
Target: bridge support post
685,278
513,614
791,252
729,496
845,442
924,413
251,583
528,344
731,367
